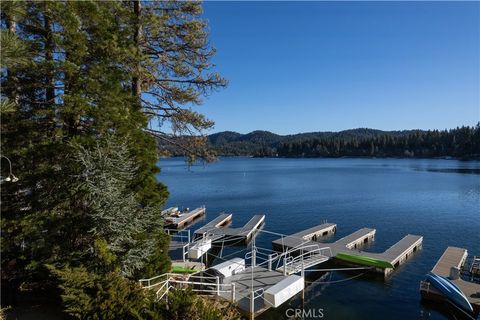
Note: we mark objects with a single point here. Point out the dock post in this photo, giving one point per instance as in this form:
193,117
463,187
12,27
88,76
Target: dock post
269,262
217,281
303,279
252,304
233,292
284,266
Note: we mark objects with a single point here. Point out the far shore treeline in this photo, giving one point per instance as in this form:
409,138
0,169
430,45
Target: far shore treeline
461,142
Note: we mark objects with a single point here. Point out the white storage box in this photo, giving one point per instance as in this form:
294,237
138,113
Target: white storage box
199,249
284,290
230,267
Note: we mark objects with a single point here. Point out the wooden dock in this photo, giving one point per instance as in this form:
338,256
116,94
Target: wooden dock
302,250
223,219
397,254
169,211
217,231
352,243
355,240
297,239
402,250
184,218
322,230
453,257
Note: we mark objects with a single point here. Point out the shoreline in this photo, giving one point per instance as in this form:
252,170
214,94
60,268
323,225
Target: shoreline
340,157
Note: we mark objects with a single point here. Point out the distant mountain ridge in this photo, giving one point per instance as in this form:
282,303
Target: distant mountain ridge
459,142
272,139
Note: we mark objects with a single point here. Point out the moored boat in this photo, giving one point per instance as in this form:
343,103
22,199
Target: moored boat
450,290
364,260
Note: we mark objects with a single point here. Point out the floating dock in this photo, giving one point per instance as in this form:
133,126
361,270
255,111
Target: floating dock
453,257
350,244
217,231
257,288
302,237
184,218
355,240
263,279
222,220
169,211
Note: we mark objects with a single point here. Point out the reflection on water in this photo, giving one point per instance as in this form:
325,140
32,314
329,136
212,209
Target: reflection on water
452,170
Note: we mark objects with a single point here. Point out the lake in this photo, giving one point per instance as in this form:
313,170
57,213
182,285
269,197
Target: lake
439,199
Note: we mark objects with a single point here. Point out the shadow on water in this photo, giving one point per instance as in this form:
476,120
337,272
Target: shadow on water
451,170
443,308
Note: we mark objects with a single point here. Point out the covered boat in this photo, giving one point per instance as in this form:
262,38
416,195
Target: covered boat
450,290
364,260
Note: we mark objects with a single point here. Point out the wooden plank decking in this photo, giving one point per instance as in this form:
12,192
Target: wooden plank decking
451,257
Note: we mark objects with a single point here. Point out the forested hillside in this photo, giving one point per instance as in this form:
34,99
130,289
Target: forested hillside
461,142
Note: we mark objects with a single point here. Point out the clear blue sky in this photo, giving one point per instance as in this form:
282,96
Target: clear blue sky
317,66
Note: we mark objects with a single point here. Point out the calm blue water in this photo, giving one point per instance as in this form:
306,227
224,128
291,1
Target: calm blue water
394,196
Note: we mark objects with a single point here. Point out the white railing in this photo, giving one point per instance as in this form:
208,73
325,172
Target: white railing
168,281
155,281
306,255
292,256
289,257
179,235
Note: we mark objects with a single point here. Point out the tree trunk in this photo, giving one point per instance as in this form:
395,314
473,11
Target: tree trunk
12,79
49,85
136,82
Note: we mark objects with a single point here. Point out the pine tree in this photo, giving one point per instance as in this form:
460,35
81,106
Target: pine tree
93,71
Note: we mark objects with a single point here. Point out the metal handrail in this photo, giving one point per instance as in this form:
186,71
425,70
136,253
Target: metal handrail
309,254
178,234
166,285
166,275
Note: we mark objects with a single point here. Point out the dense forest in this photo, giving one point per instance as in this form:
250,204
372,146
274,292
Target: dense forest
87,89
462,142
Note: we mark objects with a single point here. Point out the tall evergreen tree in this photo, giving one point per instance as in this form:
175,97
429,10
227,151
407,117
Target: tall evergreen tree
95,71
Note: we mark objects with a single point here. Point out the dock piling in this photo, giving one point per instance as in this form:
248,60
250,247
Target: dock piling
233,292
252,304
